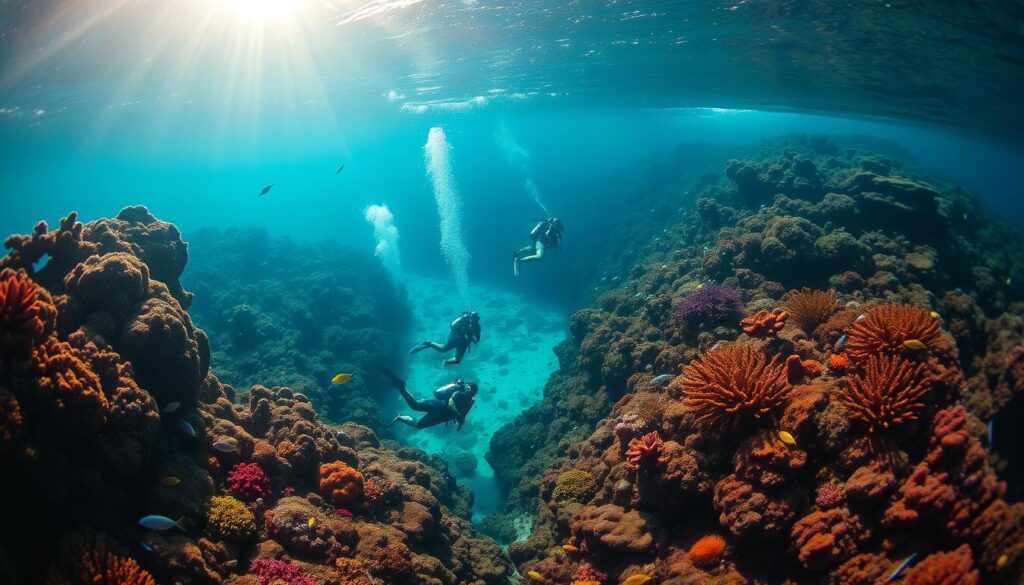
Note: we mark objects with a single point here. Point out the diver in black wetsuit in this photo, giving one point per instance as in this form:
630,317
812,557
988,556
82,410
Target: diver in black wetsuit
450,403
463,331
546,235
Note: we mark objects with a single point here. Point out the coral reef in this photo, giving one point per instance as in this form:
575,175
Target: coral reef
109,408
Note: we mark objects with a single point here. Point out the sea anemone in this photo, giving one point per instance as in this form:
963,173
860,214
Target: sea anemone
887,394
733,383
887,329
809,308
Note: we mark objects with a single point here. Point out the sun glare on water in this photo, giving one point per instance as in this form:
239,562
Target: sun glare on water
263,11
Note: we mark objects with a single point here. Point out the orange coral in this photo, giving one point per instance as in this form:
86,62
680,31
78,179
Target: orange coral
93,559
645,451
798,369
810,308
66,386
886,328
944,568
343,483
735,381
708,551
764,323
839,363
27,314
889,392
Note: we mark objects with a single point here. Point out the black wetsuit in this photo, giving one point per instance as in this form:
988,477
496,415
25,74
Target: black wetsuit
461,334
436,409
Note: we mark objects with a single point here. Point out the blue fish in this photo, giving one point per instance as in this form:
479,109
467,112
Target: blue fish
145,545
991,431
225,447
661,380
187,427
841,343
906,563
156,522
172,407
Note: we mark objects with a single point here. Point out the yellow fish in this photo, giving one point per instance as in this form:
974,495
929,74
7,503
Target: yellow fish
570,548
170,481
311,522
1001,561
787,438
638,579
534,575
934,315
341,378
915,345
700,286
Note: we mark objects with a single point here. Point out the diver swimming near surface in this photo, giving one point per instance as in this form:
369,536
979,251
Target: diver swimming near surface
451,402
546,235
462,333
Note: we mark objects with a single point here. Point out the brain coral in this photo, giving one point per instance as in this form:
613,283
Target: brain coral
885,328
341,482
732,383
890,392
574,485
230,519
112,282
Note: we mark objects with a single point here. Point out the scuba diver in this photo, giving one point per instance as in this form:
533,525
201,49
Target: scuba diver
451,402
463,331
546,235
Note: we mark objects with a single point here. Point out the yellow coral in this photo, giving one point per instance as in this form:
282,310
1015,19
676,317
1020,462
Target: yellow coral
229,518
574,485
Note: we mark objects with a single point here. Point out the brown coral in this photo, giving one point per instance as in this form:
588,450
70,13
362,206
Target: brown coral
732,383
764,323
888,394
810,308
825,538
887,328
645,452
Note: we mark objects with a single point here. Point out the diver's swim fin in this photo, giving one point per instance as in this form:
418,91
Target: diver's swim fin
392,378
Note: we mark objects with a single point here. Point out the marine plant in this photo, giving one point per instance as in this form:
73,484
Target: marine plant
733,383
709,305
810,308
887,328
888,393
575,485
229,518
342,483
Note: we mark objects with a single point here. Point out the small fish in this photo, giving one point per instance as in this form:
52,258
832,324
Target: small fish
860,318
934,314
841,344
534,575
570,548
225,446
172,407
341,378
187,427
1008,281
1001,561
145,546
312,522
915,345
700,286
661,380
170,481
267,189
155,522
638,579
717,345
787,438
341,168
906,563
991,431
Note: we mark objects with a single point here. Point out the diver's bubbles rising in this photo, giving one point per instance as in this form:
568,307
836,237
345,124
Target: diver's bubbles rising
437,154
519,159
386,234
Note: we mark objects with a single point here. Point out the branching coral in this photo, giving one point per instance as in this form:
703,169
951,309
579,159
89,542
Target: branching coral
229,518
27,314
889,393
645,452
888,328
91,558
574,485
733,383
810,308
342,483
248,482
764,323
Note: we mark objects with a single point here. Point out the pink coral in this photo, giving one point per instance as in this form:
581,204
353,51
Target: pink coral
271,570
248,482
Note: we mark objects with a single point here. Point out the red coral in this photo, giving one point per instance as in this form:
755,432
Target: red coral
764,323
645,452
708,551
825,538
944,568
797,369
341,482
888,394
885,329
272,570
732,383
27,313
838,363
248,482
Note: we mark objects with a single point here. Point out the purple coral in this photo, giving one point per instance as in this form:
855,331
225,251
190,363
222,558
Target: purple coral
270,570
710,304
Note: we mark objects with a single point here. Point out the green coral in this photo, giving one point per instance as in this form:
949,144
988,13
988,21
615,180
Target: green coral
229,519
574,485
